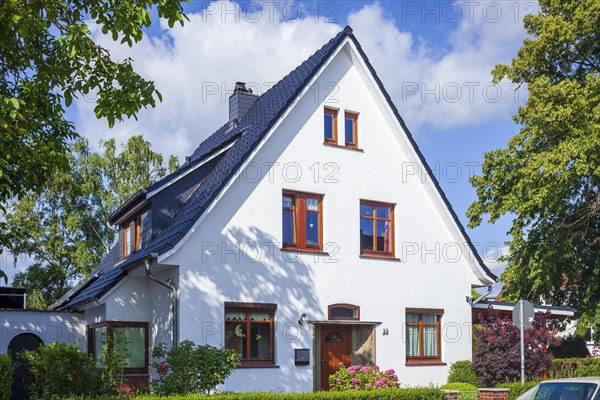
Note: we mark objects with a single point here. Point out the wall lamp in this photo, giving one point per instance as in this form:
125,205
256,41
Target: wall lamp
303,319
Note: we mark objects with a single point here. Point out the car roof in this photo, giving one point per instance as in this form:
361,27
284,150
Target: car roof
591,379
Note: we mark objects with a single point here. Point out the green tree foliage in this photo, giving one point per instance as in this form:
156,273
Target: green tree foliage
462,372
191,369
547,179
47,59
63,227
7,370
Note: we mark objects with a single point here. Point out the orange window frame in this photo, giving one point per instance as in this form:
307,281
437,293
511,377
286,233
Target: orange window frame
137,235
343,305
421,325
299,210
375,218
334,113
354,117
249,308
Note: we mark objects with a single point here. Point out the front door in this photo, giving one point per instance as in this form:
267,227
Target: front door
335,349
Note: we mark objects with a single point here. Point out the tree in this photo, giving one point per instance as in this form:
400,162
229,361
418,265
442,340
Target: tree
63,228
48,58
497,356
547,179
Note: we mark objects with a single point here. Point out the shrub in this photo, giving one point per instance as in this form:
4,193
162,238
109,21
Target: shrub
6,377
517,389
462,371
61,370
359,377
574,367
190,368
384,394
571,347
497,355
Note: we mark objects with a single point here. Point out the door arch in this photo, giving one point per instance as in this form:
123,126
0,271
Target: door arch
19,343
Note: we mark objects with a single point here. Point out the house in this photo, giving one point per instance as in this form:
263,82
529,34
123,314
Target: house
308,230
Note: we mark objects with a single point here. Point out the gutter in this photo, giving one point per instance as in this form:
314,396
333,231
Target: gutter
174,294
483,296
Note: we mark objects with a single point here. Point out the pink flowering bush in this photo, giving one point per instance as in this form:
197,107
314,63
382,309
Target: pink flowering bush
359,377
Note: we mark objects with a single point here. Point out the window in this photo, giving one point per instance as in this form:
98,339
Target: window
302,221
343,311
351,129
132,236
249,331
128,339
330,130
376,228
423,335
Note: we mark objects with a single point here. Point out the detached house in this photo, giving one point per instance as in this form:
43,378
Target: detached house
304,232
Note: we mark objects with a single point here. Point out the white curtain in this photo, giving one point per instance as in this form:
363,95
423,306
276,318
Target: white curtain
412,335
430,336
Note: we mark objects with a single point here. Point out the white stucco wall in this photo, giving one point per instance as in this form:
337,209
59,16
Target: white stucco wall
50,326
234,254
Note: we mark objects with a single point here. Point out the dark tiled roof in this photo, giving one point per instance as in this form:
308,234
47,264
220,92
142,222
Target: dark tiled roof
248,133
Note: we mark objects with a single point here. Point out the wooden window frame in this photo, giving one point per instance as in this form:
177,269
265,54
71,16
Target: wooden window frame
299,213
343,305
421,359
249,308
392,219
354,117
137,235
109,325
334,113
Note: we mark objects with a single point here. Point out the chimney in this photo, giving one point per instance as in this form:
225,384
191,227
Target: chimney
240,101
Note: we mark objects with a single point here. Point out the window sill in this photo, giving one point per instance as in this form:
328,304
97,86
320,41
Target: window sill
305,251
343,147
256,365
379,256
417,363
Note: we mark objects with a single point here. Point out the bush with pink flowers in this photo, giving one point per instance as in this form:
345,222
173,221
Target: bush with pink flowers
359,377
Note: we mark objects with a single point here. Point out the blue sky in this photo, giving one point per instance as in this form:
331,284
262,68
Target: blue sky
434,57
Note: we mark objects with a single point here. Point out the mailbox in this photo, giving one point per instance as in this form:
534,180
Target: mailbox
301,356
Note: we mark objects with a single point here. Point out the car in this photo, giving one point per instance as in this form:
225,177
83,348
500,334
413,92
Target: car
565,389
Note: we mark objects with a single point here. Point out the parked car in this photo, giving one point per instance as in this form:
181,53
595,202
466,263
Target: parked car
565,389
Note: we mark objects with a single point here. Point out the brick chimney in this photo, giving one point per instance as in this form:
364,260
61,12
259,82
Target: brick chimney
240,101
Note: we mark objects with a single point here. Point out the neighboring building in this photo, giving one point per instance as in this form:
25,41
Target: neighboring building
308,230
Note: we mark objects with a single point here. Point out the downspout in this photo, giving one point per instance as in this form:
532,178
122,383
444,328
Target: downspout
483,296
174,294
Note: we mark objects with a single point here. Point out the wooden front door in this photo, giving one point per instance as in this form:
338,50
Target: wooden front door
335,348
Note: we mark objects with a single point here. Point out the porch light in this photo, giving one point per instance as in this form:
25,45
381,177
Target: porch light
303,319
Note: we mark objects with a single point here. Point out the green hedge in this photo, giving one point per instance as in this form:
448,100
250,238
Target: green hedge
6,376
467,391
380,394
574,368
461,371
517,389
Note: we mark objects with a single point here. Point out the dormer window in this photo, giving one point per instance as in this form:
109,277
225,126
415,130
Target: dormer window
132,236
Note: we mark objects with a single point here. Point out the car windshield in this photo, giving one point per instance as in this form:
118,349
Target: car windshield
561,391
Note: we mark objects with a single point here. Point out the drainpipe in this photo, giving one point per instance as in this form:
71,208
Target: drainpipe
483,296
174,293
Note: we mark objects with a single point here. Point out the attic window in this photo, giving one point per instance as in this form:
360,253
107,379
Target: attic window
132,236
330,128
351,129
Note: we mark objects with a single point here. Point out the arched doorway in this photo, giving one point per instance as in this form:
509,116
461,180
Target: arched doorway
23,341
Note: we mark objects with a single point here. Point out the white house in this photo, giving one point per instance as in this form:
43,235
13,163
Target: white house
306,231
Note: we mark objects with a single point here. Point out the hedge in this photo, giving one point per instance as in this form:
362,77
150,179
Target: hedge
574,368
467,391
461,371
380,394
517,389
6,376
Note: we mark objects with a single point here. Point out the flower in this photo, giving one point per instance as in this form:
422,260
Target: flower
351,371
395,383
355,380
390,372
368,385
365,369
377,383
376,368
337,379
357,388
384,379
340,363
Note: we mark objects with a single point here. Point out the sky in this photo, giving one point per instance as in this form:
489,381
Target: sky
434,58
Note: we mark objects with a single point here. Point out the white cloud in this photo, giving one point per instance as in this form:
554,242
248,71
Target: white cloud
195,67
